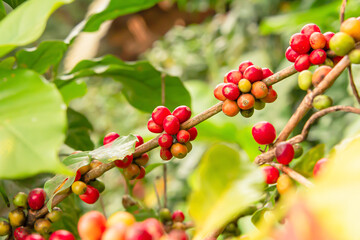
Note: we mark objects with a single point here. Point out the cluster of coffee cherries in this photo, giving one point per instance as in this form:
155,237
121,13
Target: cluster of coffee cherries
175,142
133,168
123,226
243,91
173,220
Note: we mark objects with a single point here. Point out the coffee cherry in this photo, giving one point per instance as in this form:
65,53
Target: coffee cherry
165,154
183,113
264,133
244,65
337,59
17,217
165,214
259,90
42,226
177,234
319,74
329,62
231,91
253,73
78,187
267,73
140,141
171,124
317,57
91,225
100,186
299,43
84,169
142,173
90,196
319,166
20,200
258,105
121,217
270,97
137,232
21,233
110,137
34,236
271,174
284,153
328,36
317,40
244,85
153,127
302,63
154,227
165,140
218,92
132,171
354,56
233,76
188,146
230,108
321,102
4,228
298,150
341,43
246,101
309,29
284,184
61,235
36,198
159,114
291,55
305,80
124,163
178,216
55,215
116,232
193,133
247,113
77,176
143,160
94,164
183,136
179,150
351,26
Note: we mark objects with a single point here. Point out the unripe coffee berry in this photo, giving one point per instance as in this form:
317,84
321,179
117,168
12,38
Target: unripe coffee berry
5,228
218,92
341,43
124,163
351,26
110,137
179,150
317,40
259,90
298,150
159,114
36,198
230,108
246,101
165,140
61,235
183,136
328,36
354,56
42,226
78,187
20,200
270,97
299,43
153,127
183,113
247,113
132,171
319,74
90,196
244,85
271,174
188,146
321,102
100,186
17,217
171,124
142,173
267,72
143,160
165,214
193,133
305,80
302,63
253,73
284,153
244,65
34,236
165,154
291,55
329,62
21,233
258,105
284,184
55,215
140,141
178,216
319,166
309,29
231,91
317,57
233,76
264,133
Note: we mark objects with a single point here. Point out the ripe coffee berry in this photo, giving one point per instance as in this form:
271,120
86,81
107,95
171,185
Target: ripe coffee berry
302,63
244,85
244,65
193,133
291,55
78,175
178,216
143,160
328,36
21,233
233,76
132,171
159,114
34,236
142,173
183,113
264,133
78,187
271,174
270,97
110,137
171,124
165,140
61,235
246,101
42,226
165,154
183,136
259,90
317,56
299,43
20,200
140,141
351,26
230,108
153,127
218,92
137,232
124,163
36,198
266,72
319,165
284,153
317,40
231,91
179,150
253,73
90,196
309,29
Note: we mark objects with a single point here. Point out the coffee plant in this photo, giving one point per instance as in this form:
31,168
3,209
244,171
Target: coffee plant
281,191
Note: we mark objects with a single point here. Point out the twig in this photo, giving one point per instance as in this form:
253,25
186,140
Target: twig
342,11
164,166
352,84
102,205
157,196
277,77
293,174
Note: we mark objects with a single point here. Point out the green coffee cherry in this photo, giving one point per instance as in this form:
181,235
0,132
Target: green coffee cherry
258,105
304,80
165,215
20,200
55,215
247,113
328,62
78,187
341,43
354,56
298,150
42,226
100,186
5,228
321,102
17,217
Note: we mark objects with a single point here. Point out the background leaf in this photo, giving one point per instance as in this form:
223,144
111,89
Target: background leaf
3,194
306,163
7,63
73,90
14,3
2,10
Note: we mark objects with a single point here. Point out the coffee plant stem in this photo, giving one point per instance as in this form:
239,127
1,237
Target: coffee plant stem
293,174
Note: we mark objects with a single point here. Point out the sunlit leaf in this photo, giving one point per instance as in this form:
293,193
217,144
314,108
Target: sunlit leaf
306,163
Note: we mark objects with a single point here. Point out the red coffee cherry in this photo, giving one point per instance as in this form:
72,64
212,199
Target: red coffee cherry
246,101
140,141
110,137
142,173
183,113
183,136
244,65
284,153
90,196
270,97
36,198
264,133
309,29
300,43
171,124
165,154
317,40
266,73
179,150
319,165
159,114
21,233
193,133
34,236
137,232
218,92
132,171
230,108
234,76
61,235
302,63
153,127
291,55
165,140
124,163
231,91
328,36
178,216
259,90
78,175
253,73
143,160
317,56
271,174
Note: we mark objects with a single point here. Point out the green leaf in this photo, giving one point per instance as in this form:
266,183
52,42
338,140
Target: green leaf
115,9
149,168
7,63
3,194
72,90
40,59
14,3
306,164
256,217
140,80
32,124
222,179
78,134
2,10
26,23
